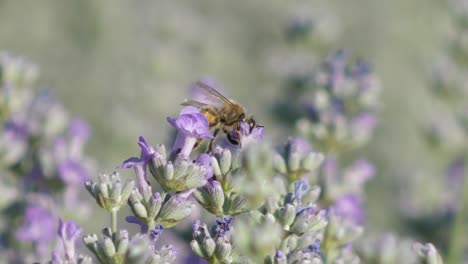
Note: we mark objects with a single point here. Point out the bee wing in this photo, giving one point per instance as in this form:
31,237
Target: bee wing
210,95
194,103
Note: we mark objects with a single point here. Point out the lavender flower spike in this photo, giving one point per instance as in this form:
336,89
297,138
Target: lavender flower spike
69,232
192,125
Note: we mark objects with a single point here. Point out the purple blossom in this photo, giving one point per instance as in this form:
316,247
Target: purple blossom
156,232
140,164
299,188
223,225
69,232
279,256
306,211
350,207
134,220
313,248
361,172
39,226
72,172
79,133
205,160
192,125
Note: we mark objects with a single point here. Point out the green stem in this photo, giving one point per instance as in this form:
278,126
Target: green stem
114,221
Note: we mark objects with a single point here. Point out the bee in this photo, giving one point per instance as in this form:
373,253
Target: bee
222,113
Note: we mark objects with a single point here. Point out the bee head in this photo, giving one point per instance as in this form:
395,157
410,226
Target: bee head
251,122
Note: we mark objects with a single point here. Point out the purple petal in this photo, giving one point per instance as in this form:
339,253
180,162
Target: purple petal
205,160
134,220
130,163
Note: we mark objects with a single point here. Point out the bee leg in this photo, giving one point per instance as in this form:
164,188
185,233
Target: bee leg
210,145
231,139
197,144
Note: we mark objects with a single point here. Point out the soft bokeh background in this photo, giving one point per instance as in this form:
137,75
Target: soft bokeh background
124,66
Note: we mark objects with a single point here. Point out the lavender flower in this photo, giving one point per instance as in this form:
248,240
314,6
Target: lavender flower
191,125
350,207
223,225
156,232
72,172
140,164
69,232
39,226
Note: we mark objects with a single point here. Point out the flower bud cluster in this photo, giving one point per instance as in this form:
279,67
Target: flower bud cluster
165,209
341,112
121,248
213,244
296,159
218,196
109,192
176,174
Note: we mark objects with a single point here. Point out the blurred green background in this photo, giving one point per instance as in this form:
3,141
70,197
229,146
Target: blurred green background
124,66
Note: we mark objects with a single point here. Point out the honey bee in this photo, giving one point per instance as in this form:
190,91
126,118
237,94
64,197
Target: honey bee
222,114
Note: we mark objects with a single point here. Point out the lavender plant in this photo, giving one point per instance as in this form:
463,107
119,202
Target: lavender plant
337,113
284,204
42,162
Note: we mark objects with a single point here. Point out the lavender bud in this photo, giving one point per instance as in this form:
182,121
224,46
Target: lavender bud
217,195
169,171
236,204
154,205
108,247
179,170
280,258
90,241
287,215
294,161
104,190
225,161
279,164
308,220
197,249
175,210
127,189
116,191
216,168
209,246
312,161
223,250
139,209
122,242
